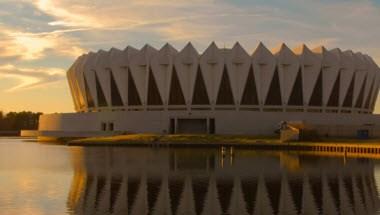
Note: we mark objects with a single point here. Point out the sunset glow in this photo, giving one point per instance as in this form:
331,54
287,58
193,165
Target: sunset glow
40,39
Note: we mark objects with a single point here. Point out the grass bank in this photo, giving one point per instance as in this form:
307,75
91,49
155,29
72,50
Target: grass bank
174,139
182,139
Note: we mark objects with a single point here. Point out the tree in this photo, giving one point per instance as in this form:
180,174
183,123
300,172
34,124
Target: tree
17,121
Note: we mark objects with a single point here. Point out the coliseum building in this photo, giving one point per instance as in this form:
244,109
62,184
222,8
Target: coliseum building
222,91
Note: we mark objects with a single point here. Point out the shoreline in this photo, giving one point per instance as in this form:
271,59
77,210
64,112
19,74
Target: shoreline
211,140
332,147
175,139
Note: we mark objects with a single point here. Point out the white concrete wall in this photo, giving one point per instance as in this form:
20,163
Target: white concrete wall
212,61
226,122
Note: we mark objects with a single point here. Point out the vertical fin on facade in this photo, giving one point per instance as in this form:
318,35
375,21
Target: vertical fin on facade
115,94
250,91
334,96
225,96
274,93
296,96
200,96
175,95
359,102
154,97
376,94
133,95
316,96
89,98
100,94
367,103
350,93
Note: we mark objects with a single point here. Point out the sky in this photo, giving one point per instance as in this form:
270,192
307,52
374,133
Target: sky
40,39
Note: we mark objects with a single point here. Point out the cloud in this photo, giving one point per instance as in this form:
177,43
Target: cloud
85,23
126,15
28,46
39,38
30,78
70,12
202,20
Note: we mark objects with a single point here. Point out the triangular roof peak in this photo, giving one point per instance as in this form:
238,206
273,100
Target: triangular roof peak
319,50
211,46
113,49
360,55
91,54
237,44
338,53
371,60
189,44
168,48
166,45
363,60
102,57
349,52
189,47
301,49
345,58
338,50
262,55
165,54
189,54
147,47
211,49
239,54
282,47
368,60
262,48
130,48
211,54
115,53
101,51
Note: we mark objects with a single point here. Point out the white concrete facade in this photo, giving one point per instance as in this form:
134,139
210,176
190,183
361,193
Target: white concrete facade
226,122
143,90
339,69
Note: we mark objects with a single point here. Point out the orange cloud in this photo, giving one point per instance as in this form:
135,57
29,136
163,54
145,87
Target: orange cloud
31,77
27,46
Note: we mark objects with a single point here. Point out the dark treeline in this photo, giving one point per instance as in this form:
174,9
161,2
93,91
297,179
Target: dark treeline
16,121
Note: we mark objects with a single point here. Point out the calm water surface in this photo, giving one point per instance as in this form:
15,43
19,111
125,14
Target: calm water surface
50,179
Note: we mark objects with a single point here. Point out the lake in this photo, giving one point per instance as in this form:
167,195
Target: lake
54,179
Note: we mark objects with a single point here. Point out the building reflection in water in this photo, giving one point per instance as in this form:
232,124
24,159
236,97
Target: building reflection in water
204,181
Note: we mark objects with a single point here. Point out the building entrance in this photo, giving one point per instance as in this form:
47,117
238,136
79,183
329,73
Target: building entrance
192,126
